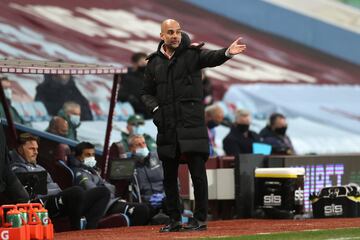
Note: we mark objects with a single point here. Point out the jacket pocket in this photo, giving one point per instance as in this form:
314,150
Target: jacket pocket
192,112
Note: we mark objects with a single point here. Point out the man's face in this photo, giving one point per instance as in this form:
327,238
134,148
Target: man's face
6,84
87,152
63,79
280,123
74,111
171,34
29,151
244,119
131,127
138,143
63,128
218,116
141,63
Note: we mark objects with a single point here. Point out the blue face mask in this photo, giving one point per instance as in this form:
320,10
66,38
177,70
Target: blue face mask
139,130
8,93
142,152
75,119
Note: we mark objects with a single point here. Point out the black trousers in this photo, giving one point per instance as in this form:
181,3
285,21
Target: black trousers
76,202
14,191
196,165
138,213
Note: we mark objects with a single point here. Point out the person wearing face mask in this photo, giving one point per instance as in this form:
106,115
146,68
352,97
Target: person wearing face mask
6,85
214,115
135,125
149,172
73,202
83,164
132,82
240,138
275,135
71,112
56,89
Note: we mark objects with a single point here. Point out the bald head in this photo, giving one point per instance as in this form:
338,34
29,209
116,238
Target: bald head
171,34
169,23
58,126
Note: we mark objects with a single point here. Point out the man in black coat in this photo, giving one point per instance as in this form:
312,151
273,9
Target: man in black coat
240,139
55,90
132,83
173,92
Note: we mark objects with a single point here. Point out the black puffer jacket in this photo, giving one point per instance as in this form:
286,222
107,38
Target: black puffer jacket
175,86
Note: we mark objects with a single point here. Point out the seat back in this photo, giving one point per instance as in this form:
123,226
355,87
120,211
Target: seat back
63,175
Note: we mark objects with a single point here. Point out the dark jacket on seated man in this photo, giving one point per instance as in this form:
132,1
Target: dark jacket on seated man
280,142
149,176
87,177
19,164
10,185
275,135
240,141
73,202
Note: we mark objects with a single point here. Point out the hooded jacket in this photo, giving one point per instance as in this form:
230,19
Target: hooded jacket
175,86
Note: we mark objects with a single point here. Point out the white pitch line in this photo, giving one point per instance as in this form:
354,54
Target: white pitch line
343,238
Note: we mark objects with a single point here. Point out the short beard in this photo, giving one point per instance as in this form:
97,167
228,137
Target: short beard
32,161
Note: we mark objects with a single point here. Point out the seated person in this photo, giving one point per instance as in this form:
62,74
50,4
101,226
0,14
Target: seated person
149,172
240,139
10,186
73,202
71,112
87,177
56,89
274,134
135,125
214,116
6,84
58,126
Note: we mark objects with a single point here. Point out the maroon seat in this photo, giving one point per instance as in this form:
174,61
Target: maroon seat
117,151
61,173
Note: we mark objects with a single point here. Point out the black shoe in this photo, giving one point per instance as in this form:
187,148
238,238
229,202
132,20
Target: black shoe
195,225
173,226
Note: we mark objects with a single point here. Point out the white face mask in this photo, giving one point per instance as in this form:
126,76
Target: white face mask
139,130
8,93
90,161
75,119
142,152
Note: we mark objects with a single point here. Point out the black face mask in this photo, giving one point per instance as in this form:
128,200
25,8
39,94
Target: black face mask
211,124
281,131
243,127
141,69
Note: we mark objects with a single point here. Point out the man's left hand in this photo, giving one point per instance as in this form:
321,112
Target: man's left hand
236,47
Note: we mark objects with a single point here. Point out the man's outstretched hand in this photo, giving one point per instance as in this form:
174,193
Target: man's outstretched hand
237,47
